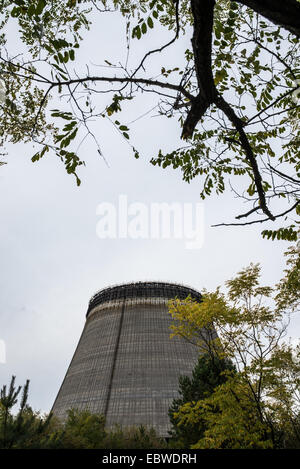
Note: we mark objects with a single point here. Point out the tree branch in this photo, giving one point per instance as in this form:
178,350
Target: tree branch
279,215
245,215
283,13
244,142
144,81
285,176
160,49
203,13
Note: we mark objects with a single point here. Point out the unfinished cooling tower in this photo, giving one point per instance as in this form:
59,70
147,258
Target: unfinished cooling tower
126,366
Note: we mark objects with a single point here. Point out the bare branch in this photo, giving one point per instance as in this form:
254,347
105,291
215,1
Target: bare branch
244,215
279,215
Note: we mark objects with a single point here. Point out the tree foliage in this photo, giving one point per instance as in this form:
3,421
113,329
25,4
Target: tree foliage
289,286
259,406
209,372
229,418
234,92
82,429
85,430
26,429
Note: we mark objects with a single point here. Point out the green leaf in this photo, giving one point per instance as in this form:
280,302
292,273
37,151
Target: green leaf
15,12
61,114
58,68
144,28
31,10
136,32
40,154
218,34
40,6
150,22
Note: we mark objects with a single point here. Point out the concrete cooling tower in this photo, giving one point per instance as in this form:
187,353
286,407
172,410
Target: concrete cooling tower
126,366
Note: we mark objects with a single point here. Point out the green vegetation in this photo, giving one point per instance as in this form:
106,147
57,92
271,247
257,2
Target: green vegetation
82,430
208,373
257,406
243,392
26,429
234,91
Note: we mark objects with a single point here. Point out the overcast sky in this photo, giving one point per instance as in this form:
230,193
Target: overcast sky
52,259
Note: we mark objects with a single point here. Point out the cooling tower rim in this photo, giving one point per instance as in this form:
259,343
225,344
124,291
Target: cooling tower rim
149,288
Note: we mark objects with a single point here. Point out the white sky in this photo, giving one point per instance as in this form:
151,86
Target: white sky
52,260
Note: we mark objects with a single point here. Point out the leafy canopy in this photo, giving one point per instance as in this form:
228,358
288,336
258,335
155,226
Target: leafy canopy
234,92
257,407
208,373
82,429
25,429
